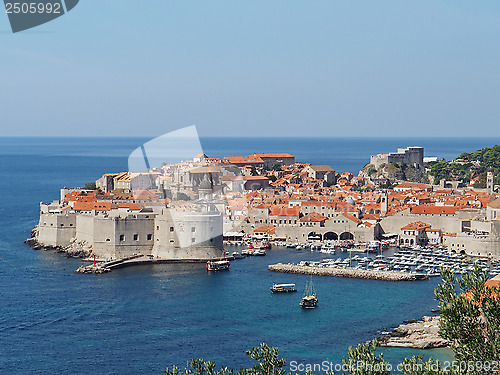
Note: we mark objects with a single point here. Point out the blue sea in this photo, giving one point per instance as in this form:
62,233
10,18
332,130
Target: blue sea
142,320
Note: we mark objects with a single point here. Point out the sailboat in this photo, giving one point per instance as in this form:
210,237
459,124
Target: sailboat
310,299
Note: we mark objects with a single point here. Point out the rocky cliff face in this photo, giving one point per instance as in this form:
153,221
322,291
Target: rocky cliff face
394,172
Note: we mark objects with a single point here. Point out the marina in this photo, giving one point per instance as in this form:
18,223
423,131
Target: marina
406,263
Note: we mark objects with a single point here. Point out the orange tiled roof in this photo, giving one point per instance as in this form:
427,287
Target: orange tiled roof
89,206
313,217
285,211
416,225
428,209
352,218
274,155
266,229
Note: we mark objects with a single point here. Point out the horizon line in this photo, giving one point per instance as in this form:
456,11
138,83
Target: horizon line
252,137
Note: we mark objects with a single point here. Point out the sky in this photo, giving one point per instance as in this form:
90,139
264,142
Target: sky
279,68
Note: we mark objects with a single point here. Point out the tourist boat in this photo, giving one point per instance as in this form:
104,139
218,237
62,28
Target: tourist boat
281,288
310,299
218,265
260,252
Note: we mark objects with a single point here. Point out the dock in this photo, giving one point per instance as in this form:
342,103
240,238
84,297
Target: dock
135,260
347,272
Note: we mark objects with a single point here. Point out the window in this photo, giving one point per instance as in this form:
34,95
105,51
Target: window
157,227
171,241
150,237
107,240
193,229
136,237
193,239
122,237
171,229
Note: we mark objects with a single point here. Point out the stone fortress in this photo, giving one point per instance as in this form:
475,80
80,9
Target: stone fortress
131,214
159,232
410,155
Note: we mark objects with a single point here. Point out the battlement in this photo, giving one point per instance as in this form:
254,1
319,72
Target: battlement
410,155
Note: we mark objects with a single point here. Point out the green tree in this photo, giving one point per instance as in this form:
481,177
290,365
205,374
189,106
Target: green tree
362,360
90,186
470,316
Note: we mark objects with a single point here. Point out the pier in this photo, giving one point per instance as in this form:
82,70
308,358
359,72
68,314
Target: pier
347,272
103,267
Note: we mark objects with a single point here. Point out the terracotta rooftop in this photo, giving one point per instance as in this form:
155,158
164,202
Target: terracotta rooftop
416,225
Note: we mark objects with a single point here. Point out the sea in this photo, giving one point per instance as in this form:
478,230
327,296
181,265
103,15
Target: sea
142,320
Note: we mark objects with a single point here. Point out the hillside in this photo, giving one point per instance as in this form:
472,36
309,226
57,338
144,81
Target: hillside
394,172
467,166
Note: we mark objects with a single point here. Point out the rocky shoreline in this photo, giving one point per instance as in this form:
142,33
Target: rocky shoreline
346,272
74,249
416,334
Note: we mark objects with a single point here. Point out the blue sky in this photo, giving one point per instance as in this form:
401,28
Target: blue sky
256,68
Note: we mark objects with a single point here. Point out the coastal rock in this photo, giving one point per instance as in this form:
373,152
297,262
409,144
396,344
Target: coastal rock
421,334
92,269
74,249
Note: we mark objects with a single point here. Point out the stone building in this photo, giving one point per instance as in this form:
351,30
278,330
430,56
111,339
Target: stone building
321,172
161,232
410,155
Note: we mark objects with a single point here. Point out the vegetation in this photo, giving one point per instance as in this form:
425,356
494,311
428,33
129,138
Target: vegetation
468,165
276,167
470,320
272,178
470,316
90,186
371,170
450,171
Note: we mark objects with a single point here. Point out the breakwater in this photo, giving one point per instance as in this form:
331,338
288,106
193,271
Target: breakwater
346,272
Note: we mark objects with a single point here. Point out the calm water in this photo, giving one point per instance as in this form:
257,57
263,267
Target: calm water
141,320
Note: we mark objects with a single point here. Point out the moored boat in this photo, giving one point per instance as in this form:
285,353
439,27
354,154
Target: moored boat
280,288
310,298
218,265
